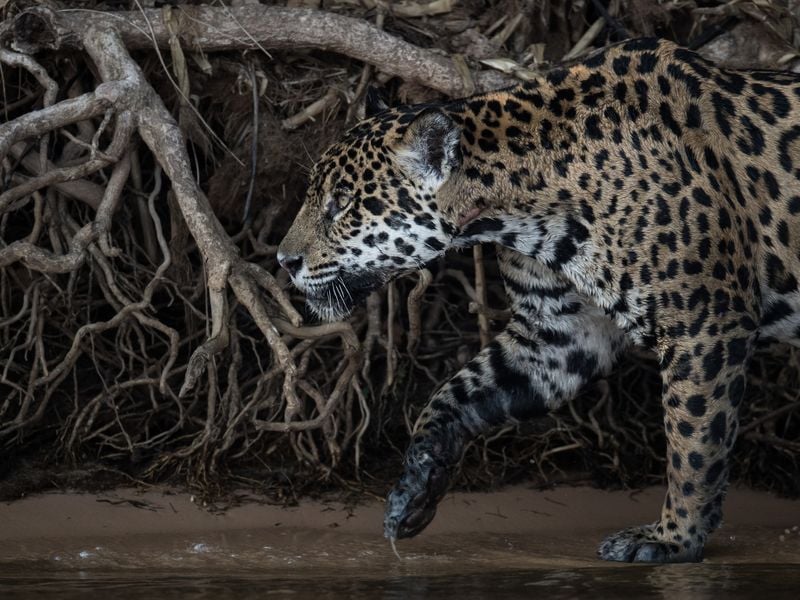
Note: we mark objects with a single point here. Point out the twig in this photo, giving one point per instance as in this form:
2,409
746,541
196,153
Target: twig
391,357
246,216
312,110
586,40
148,231
364,79
480,293
608,15
502,36
373,332
770,416
495,314
414,310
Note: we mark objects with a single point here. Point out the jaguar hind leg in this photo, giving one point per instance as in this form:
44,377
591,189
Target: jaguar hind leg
701,395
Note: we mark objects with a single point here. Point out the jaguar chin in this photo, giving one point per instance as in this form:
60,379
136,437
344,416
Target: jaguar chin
336,299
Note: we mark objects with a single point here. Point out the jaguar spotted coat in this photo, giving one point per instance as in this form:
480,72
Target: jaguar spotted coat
641,197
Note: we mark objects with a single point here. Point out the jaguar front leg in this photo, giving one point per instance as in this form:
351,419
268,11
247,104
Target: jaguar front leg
534,365
703,386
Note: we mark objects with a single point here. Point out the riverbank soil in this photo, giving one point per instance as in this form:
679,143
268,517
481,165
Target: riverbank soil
516,528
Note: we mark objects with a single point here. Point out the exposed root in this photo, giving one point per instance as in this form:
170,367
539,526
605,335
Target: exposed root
142,322
414,310
480,294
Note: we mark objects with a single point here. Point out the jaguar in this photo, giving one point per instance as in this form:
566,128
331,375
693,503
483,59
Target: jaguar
642,197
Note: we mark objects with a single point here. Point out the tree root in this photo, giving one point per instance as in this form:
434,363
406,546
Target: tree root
135,327
125,92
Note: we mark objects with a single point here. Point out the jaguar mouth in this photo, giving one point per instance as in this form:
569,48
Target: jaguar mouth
335,299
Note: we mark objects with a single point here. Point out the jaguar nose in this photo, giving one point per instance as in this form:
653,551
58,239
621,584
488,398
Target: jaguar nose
292,264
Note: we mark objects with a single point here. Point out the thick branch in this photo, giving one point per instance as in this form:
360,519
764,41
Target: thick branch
161,133
259,27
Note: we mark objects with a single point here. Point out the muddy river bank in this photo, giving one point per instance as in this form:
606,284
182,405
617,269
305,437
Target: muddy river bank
511,543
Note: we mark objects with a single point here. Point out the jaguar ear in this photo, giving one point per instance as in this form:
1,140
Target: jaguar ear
374,103
431,147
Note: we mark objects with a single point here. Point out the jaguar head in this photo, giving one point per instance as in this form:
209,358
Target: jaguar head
372,209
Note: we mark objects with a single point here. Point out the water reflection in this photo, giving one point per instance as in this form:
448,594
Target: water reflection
676,582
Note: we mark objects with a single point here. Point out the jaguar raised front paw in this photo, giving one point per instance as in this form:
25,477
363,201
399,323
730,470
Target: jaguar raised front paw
411,505
643,544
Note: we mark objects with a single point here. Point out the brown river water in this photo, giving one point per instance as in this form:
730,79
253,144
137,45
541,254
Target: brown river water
516,543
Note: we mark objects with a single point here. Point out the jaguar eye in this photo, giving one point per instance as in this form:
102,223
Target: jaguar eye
336,204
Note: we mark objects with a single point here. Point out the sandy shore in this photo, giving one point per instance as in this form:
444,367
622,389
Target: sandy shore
514,528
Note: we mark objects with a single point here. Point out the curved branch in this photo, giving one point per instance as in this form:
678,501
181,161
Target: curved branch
40,122
119,143
84,190
221,28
